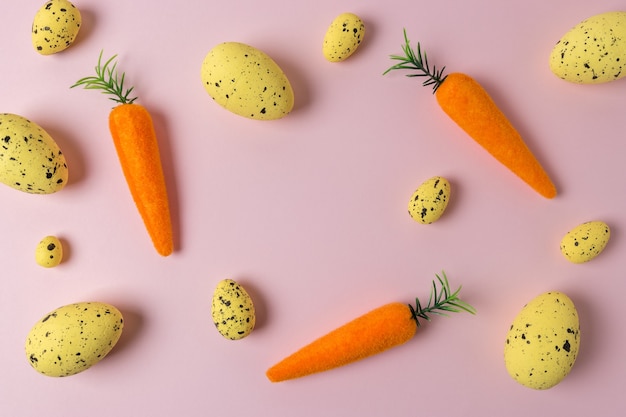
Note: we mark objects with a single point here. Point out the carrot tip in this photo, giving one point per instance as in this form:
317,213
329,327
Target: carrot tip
165,251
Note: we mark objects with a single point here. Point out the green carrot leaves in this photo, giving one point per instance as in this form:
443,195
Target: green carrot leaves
107,80
441,301
414,60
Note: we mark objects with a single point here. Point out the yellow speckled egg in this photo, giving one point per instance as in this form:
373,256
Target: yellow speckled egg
49,252
232,310
543,341
247,82
30,159
343,37
593,51
430,200
73,338
585,241
55,26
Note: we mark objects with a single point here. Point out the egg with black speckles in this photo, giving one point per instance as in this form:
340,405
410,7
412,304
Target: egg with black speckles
585,241
430,200
343,37
246,81
49,252
232,310
30,159
593,51
73,338
55,27
543,341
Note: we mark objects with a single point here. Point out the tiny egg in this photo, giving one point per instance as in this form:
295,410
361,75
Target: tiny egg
49,252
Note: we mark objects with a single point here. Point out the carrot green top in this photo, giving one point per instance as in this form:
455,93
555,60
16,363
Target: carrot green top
441,301
414,60
107,80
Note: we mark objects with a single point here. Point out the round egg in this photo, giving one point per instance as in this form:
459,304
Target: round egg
430,200
247,82
593,51
585,241
30,159
73,338
543,342
49,252
232,310
343,37
55,26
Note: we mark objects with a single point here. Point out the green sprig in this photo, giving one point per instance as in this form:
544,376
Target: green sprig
414,60
441,302
107,80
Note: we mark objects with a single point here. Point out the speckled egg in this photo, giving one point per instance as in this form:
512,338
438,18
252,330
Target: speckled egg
543,341
585,241
343,37
55,26
593,51
30,160
49,252
430,200
232,310
73,338
247,82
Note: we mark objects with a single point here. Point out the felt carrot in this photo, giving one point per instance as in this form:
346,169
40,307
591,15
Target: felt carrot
383,328
137,148
467,103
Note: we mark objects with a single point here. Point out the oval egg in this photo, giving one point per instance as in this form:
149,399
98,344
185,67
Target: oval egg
247,82
593,51
30,160
55,26
585,241
343,37
430,200
49,252
73,338
543,342
232,310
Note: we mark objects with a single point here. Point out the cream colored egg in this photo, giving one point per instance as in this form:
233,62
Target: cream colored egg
343,37
232,310
585,241
430,200
73,338
55,26
30,159
543,342
49,252
247,82
593,51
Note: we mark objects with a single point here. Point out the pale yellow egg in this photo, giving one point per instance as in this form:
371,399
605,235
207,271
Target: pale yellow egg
247,82
232,310
430,200
55,26
73,338
343,37
49,252
593,51
30,159
585,241
543,341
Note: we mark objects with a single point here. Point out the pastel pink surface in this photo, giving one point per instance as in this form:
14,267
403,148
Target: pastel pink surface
309,212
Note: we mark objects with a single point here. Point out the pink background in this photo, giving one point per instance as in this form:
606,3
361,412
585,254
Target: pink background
309,212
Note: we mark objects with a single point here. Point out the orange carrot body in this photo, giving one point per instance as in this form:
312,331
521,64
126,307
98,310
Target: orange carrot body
470,106
137,148
381,329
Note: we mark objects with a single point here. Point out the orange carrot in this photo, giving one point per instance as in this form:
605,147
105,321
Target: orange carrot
381,329
137,148
467,103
